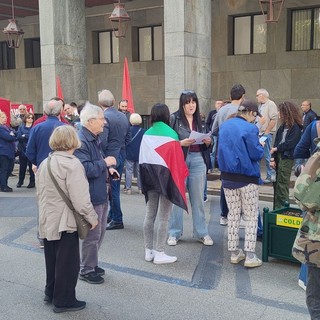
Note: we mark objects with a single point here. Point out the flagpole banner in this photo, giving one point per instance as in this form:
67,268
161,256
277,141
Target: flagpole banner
126,87
59,92
5,107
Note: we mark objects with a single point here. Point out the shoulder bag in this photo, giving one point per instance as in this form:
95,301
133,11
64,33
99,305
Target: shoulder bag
83,226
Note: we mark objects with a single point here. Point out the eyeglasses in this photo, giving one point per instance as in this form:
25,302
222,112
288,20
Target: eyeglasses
187,92
30,118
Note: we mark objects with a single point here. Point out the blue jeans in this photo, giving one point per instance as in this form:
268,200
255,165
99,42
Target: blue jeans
223,204
132,166
267,155
214,152
195,184
115,212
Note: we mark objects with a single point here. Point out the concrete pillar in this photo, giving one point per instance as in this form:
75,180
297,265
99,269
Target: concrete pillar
187,38
63,48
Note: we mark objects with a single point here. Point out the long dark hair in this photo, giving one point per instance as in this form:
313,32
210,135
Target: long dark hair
160,112
186,97
290,114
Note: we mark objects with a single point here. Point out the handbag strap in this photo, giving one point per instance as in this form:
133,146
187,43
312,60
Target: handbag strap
62,194
135,136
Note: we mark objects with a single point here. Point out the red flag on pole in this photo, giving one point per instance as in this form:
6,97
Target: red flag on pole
126,86
59,89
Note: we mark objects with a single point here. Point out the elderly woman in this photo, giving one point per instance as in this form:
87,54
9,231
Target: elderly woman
57,225
23,137
132,152
7,152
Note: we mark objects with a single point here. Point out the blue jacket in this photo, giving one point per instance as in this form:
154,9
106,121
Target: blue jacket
7,142
91,156
239,151
133,147
306,146
116,135
38,145
23,134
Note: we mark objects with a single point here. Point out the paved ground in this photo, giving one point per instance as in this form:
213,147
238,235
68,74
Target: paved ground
202,284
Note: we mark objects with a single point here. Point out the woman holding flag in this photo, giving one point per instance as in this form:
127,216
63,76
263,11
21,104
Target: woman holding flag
163,173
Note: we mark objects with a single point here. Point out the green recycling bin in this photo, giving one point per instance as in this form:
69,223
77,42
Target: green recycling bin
279,232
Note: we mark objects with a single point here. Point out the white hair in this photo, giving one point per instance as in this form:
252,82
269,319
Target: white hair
264,92
53,107
89,111
106,98
135,119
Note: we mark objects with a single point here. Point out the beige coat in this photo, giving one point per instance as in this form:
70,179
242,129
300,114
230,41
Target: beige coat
54,215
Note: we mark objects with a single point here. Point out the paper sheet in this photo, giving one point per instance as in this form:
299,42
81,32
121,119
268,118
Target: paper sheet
199,136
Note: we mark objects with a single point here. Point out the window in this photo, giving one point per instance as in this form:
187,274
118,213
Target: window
107,47
32,53
305,29
150,43
7,57
249,34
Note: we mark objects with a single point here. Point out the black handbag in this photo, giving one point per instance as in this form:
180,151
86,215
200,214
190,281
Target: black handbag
83,226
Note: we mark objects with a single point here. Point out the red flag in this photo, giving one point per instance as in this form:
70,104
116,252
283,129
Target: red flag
126,87
59,89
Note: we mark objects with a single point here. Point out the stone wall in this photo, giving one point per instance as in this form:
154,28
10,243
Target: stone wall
293,76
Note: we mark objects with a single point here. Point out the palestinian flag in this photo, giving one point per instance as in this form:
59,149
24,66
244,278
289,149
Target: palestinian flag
162,165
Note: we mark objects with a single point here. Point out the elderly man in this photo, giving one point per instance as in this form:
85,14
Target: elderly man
17,119
96,166
267,125
116,137
308,114
38,145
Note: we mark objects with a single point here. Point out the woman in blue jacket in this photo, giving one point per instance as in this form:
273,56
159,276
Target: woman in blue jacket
23,137
239,154
7,152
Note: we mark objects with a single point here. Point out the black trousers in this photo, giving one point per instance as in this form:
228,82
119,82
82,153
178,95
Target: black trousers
62,259
24,163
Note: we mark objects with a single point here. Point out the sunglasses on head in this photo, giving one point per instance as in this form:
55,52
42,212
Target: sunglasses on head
187,92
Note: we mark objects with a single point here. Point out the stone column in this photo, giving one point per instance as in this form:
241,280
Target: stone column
63,48
187,39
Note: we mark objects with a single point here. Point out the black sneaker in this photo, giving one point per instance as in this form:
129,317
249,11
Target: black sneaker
99,271
78,305
91,277
47,298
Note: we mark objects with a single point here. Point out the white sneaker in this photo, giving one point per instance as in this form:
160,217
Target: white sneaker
128,191
236,258
252,262
172,241
206,240
149,256
223,221
162,258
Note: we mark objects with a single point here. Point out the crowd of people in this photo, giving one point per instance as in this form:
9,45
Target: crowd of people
90,147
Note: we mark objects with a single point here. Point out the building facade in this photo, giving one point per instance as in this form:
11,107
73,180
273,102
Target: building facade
205,45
